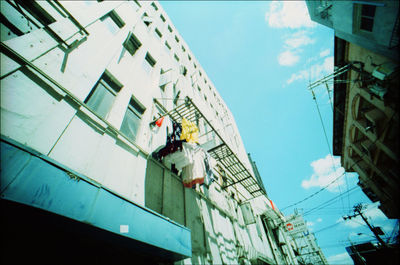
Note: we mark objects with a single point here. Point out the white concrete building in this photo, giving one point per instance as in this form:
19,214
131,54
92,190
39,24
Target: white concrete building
82,83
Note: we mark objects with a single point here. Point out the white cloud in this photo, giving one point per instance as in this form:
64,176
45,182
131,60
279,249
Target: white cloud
374,212
324,53
288,58
298,39
342,258
315,72
325,170
371,212
292,45
353,222
288,14
309,223
319,220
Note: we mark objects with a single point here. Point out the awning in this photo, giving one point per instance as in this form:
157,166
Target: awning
238,173
36,180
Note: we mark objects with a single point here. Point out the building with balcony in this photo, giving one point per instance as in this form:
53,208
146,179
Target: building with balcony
93,97
366,124
366,77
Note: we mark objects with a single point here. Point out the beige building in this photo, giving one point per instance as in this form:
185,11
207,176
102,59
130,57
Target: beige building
366,122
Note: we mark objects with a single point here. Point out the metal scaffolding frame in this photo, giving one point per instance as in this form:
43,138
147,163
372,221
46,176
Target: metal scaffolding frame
222,152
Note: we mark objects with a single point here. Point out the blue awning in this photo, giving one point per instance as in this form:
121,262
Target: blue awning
30,178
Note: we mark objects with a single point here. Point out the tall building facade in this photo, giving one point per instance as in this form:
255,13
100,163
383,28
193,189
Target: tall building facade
93,97
365,80
373,25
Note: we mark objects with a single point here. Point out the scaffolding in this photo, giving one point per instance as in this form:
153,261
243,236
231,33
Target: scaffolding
221,152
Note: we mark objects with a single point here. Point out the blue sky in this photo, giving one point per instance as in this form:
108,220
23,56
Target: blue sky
261,56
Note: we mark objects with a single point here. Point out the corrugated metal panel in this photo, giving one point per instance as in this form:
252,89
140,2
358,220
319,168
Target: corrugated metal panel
33,181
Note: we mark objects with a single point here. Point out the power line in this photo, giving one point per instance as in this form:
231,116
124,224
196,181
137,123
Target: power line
328,227
333,181
332,200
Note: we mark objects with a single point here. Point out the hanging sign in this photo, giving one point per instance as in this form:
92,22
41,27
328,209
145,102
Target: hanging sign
296,225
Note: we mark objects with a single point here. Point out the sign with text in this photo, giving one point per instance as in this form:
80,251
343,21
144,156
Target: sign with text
296,225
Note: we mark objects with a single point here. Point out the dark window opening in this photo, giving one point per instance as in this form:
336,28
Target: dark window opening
146,19
132,44
158,33
154,6
367,17
150,60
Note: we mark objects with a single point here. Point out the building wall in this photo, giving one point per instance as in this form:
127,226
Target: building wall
371,144
48,75
345,18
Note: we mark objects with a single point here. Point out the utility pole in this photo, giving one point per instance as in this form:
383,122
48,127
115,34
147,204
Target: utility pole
358,211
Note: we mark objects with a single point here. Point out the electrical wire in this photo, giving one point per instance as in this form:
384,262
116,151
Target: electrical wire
337,178
328,227
328,202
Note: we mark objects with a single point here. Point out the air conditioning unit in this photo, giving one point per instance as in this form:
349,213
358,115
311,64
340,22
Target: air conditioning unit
383,71
378,90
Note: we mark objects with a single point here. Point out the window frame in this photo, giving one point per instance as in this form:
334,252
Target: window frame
137,109
132,40
111,84
158,33
150,60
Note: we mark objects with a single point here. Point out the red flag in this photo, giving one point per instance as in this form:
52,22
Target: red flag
159,121
272,204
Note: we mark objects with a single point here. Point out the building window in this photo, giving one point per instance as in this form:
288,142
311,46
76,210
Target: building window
148,63
183,70
102,96
198,88
137,3
167,45
150,60
367,17
183,49
195,66
154,6
164,80
169,28
131,122
190,58
132,44
176,57
113,22
146,19
205,97
200,73
162,18
176,38
158,33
